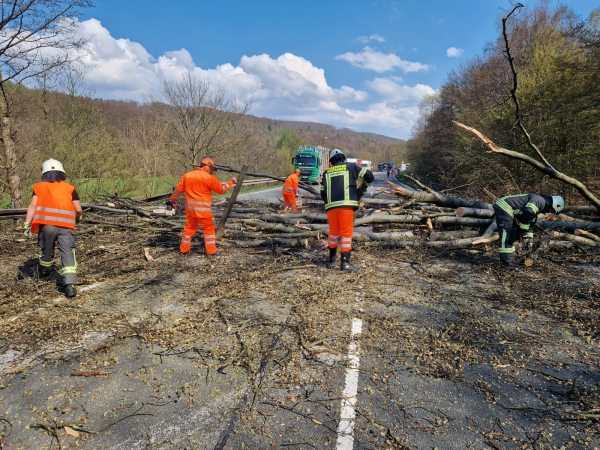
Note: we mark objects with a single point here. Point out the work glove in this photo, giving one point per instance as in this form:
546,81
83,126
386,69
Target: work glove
27,230
527,244
78,219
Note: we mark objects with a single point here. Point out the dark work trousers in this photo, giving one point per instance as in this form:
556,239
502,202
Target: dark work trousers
47,236
508,234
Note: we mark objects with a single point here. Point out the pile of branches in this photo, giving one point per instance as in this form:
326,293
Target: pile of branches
408,217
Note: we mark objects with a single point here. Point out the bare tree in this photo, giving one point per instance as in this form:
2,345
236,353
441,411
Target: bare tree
201,117
30,30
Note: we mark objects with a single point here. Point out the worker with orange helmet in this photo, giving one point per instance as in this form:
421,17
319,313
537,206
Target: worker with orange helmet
290,191
197,186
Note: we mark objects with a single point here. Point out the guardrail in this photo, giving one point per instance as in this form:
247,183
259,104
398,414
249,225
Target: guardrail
258,181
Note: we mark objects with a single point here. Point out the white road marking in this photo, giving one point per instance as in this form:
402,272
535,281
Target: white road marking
345,440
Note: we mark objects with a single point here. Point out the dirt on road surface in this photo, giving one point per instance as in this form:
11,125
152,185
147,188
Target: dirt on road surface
251,349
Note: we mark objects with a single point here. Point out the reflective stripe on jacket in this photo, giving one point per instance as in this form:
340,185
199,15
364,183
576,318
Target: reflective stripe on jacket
338,188
291,184
54,205
198,186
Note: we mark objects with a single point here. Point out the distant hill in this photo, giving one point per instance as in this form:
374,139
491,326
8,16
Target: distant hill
315,127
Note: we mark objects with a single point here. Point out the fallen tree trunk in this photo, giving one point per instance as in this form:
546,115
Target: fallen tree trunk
454,243
385,218
456,221
437,198
269,226
266,242
474,212
577,239
550,225
452,235
387,236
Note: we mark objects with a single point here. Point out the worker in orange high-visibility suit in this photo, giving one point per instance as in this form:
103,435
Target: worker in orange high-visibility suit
197,186
54,210
290,191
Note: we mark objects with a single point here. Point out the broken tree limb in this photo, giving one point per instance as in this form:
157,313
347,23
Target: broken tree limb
587,234
474,212
577,239
437,198
148,215
545,169
385,218
269,226
238,186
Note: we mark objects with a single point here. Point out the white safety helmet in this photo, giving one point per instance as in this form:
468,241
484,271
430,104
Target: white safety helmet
557,203
335,152
52,164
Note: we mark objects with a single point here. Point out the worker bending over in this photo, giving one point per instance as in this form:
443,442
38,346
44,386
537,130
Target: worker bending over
340,194
53,212
197,186
515,215
290,191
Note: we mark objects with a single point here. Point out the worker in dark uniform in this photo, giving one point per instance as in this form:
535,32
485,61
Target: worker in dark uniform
515,216
340,193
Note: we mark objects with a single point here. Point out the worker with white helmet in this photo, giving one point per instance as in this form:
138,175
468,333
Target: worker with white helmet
515,215
54,211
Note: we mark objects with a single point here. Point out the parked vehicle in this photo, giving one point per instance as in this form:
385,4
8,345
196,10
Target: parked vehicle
312,162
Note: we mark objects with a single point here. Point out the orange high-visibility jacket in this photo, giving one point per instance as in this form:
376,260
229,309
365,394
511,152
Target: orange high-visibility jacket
54,205
197,186
290,186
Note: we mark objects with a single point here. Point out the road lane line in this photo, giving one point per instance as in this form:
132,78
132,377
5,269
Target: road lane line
345,440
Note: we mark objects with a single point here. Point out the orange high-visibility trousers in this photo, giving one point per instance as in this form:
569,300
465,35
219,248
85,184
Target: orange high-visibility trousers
191,225
341,226
290,200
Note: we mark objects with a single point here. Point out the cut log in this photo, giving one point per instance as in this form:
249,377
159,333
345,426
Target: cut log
474,212
269,226
469,221
577,239
452,235
488,232
437,198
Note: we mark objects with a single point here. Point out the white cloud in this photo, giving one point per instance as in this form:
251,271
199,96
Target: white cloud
373,37
397,95
371,59
288,87
454,52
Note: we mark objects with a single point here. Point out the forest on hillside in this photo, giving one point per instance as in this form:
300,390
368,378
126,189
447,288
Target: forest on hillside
108,145
557,62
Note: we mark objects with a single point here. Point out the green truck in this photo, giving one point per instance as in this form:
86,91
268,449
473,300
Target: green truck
312,162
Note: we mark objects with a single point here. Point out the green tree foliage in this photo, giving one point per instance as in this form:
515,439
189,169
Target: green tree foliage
556,57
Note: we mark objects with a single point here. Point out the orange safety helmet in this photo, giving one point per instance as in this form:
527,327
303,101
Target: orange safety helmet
208,165
298,171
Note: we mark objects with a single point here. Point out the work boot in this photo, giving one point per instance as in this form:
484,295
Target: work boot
44,274
218,253
346,266
70,291
510,265
332,255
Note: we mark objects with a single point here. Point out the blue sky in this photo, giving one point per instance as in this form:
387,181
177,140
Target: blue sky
359,64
